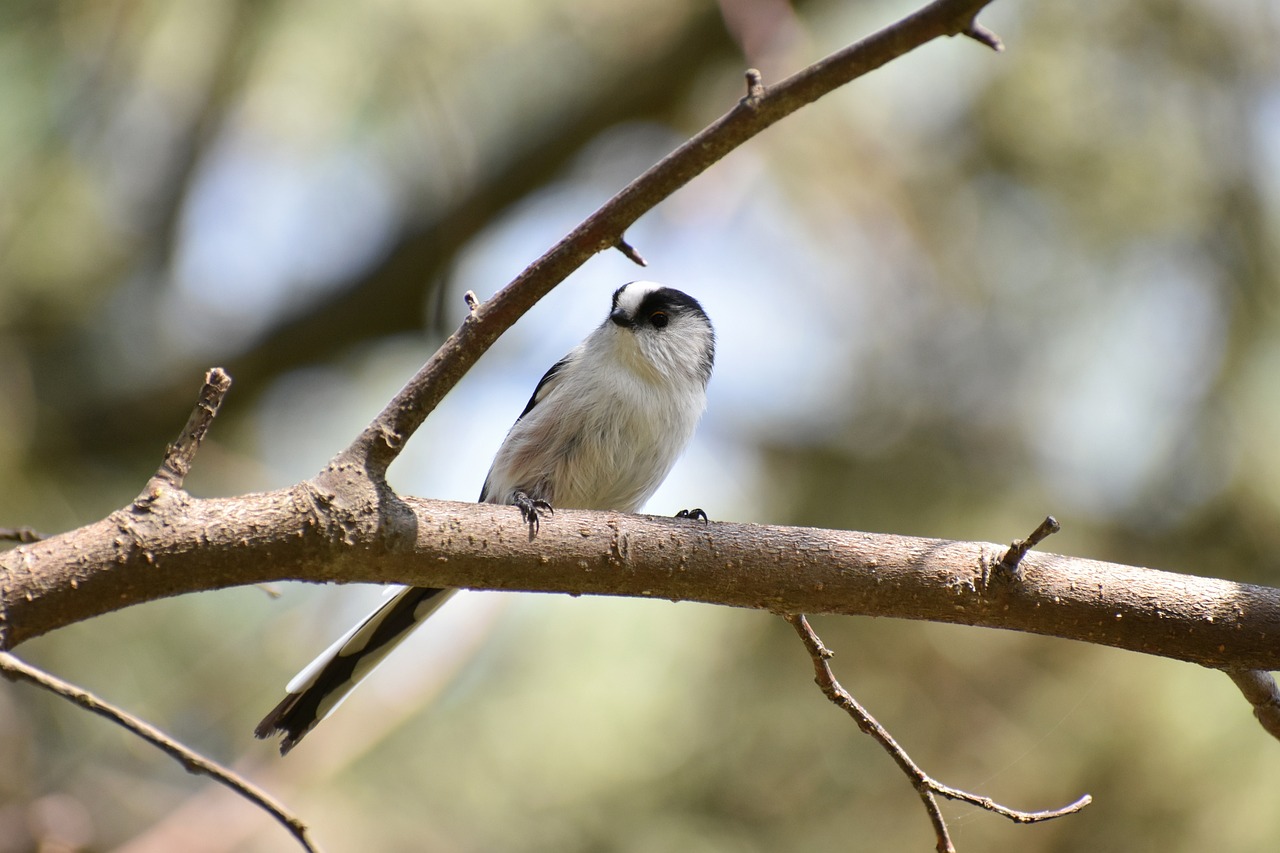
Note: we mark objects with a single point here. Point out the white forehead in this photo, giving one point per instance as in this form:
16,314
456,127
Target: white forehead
632,294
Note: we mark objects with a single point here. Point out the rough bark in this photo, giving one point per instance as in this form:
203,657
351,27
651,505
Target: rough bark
170,543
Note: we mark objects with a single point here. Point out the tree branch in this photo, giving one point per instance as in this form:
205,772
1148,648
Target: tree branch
1013,557
1259,687
177,544
179,455
21,534
191,761
926,786
326,528
386,299
347,525
763,106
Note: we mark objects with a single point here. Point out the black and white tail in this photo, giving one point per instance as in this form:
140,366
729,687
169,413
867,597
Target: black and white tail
327,680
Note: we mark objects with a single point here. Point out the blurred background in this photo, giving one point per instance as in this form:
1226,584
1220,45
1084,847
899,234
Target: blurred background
962,293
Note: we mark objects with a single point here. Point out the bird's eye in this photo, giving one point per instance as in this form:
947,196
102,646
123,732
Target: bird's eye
659,319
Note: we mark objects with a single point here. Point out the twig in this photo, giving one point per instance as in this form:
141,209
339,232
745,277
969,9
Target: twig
1259,687
21,535
982,35
755,87
191,761
632,255
1019,547
180,454
382,440
926,786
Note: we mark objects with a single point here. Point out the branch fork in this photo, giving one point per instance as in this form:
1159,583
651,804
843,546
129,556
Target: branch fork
324,528
928,788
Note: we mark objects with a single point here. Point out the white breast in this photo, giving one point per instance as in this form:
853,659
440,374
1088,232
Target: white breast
603,438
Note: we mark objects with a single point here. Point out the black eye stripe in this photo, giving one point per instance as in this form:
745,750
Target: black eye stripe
670,302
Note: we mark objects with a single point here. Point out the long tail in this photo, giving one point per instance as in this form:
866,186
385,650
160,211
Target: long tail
326,681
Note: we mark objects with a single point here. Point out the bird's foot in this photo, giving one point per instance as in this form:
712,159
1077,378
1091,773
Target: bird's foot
530,509
695,514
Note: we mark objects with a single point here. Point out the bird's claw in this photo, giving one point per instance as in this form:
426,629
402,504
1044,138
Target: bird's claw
530,509
695,514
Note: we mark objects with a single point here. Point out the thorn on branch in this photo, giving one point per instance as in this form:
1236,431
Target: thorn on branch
181,453
473,301
926,786
1019,547
632,255
1259,687
755,88
193,762
982,35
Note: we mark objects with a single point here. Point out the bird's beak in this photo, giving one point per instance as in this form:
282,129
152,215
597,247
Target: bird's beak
619,317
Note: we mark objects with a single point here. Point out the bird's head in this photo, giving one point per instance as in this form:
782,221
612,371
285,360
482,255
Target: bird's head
665,329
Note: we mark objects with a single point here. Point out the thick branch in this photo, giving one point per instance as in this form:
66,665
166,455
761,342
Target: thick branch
176,544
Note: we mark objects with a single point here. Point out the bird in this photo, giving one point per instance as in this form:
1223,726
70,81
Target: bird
601,431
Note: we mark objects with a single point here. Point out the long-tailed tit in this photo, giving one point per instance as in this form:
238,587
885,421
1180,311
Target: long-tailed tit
603,428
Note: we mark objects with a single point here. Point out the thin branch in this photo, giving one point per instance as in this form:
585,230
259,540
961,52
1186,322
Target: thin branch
21,535
926,786
1259,687
380,443
385,299
179,455
826,680
191,761
1004,811
755,86
982,35
632,255
1019,548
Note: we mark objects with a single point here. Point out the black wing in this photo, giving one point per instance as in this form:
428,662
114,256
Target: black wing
545,384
